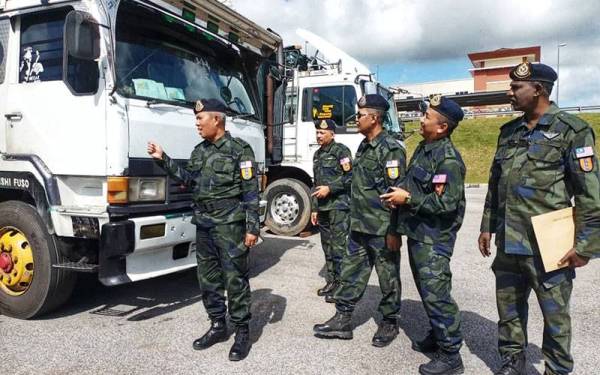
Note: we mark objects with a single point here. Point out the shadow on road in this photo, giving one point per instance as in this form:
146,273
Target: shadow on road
162,295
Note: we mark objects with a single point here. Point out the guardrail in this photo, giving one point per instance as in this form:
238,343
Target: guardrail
470,114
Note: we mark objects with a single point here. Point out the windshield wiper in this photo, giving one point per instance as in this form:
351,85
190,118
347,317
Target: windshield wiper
181,103
243,115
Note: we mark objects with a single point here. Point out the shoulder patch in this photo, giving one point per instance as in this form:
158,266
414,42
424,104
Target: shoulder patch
573,121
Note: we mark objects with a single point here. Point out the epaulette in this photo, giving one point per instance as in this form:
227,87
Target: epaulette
512,122
240,142
573,121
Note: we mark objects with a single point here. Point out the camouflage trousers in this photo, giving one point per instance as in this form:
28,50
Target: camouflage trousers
433,278
516,276
334,226
223,266
364,252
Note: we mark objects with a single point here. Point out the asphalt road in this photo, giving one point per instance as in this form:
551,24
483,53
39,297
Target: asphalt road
148,327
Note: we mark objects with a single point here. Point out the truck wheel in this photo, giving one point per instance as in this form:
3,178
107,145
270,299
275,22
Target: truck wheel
288,207
29,286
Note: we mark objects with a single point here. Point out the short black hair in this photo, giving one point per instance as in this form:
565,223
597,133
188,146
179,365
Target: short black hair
547,86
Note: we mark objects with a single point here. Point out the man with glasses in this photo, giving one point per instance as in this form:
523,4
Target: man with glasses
380,161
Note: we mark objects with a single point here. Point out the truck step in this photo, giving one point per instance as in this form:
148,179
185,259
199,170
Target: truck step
77,267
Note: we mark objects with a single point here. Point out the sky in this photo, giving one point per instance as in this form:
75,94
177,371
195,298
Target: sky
412,41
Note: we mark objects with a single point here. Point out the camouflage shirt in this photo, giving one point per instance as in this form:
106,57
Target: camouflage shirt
225,169
435,179
540,170
332,167
377,166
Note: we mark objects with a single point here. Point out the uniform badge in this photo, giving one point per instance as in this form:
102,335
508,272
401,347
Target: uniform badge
199,106
346,164
550,135
246,169
323,124
435,100
439,183
585,155
362,101
523,70
392,169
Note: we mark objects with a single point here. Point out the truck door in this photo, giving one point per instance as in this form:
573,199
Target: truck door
53,111
4,35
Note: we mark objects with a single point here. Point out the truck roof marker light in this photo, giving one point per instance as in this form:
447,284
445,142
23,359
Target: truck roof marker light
118,189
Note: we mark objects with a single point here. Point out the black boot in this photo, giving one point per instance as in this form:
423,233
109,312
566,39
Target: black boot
327,289
513,365
339,327
427,345
386,333
329,298
241,345
215,334
443,364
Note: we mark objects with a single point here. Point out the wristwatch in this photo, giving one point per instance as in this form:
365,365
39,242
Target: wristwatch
408,198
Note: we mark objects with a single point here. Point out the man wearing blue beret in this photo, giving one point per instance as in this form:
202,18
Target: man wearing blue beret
544,161
431,201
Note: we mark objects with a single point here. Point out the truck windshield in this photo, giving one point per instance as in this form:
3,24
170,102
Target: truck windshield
160,59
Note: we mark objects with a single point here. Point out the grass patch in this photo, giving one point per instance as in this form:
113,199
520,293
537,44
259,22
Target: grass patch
476,141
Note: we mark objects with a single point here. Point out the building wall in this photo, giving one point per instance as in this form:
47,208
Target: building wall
483,78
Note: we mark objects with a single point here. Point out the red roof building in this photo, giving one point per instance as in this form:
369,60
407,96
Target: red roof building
490,69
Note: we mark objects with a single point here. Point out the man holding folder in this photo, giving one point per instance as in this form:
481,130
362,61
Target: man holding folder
543,160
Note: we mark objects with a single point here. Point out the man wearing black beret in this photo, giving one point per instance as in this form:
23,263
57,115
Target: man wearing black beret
332,174
222,174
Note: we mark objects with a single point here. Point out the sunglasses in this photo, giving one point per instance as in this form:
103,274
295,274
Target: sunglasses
359,115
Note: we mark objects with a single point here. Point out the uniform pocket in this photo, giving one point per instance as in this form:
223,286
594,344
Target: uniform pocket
223,165
552,279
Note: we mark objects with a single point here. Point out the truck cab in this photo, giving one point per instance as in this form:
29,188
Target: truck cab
84,85
326,85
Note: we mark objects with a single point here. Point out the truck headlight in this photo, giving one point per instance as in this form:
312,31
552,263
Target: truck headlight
143,189
136,189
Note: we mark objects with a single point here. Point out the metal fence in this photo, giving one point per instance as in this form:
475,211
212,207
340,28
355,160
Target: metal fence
414,116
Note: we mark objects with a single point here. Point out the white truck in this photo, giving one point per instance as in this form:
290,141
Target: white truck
326,85
84,84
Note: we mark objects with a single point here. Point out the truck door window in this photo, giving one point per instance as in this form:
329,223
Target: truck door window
337,103
41,56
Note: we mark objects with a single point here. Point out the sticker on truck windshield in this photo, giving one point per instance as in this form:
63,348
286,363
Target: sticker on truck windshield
30,67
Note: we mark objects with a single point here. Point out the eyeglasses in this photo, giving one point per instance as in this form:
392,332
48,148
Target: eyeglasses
359,115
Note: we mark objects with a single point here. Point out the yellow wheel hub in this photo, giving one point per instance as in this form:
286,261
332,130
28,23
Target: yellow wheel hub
16,262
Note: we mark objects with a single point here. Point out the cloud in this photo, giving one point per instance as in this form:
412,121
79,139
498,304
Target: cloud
409,31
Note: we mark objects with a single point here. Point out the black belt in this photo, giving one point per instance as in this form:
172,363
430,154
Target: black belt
217,204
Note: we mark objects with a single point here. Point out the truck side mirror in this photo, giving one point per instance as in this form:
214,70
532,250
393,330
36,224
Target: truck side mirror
82,36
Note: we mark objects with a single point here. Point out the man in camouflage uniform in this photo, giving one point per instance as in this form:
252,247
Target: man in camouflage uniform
380,161
544,159
332,171
431,201
222,174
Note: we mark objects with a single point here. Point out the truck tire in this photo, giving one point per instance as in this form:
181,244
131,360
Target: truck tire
288,206
29,285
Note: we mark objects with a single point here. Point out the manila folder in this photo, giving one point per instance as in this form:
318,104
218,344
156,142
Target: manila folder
555,235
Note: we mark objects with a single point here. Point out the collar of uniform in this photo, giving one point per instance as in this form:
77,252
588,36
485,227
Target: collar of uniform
435,144
375,141
548,117
327,147
221,141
